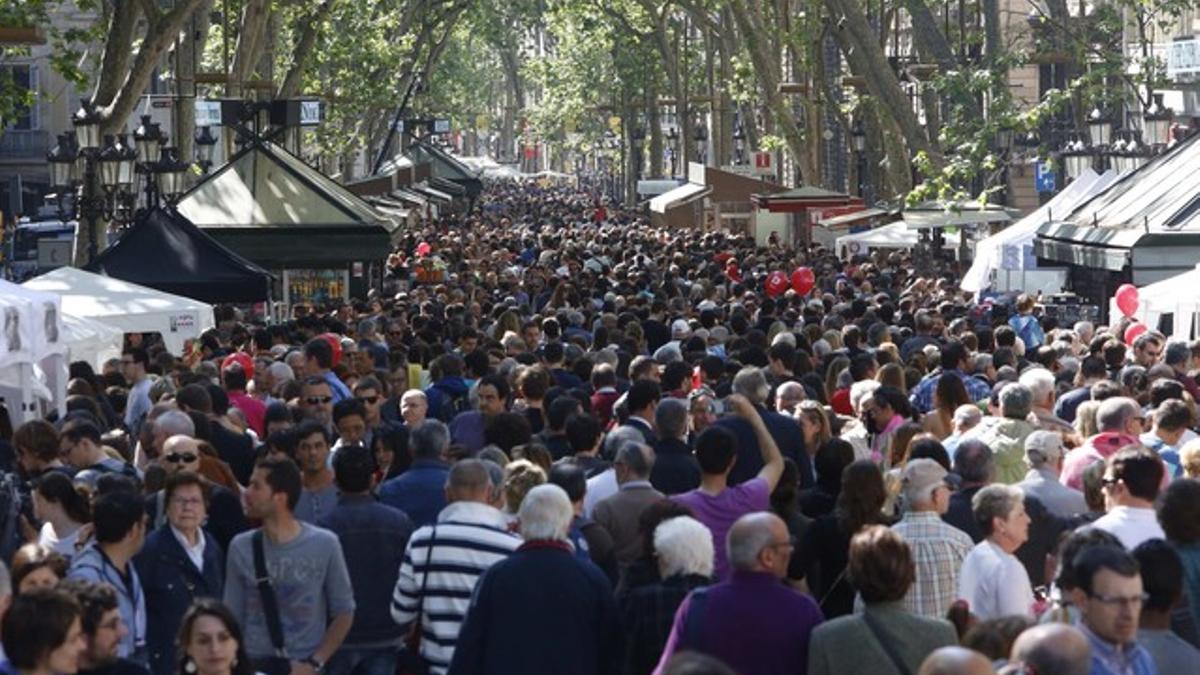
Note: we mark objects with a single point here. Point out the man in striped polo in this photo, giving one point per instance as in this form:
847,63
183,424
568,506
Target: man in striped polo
445,559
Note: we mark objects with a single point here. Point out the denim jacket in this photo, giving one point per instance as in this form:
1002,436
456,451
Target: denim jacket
373,537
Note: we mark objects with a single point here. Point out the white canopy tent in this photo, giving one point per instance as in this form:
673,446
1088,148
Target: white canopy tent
127,307
896,235
1176,296
33,360
91,341
1011,247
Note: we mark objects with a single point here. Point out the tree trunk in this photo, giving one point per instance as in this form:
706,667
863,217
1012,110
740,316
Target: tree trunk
309,30
766,70
246,53
190,48
160,34
114,64
867,60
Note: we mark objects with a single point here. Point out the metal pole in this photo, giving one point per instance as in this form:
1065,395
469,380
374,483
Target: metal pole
387,143
89,207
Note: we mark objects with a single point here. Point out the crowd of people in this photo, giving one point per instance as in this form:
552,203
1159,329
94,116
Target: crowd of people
585,445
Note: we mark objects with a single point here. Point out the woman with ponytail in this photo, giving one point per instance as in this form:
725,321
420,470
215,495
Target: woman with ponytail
64,511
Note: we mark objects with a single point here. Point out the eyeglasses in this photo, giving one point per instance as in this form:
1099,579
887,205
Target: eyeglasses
187,501
369,400
177,457
1117,600
318,400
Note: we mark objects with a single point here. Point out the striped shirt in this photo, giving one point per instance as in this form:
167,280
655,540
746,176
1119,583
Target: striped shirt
938,550
470,538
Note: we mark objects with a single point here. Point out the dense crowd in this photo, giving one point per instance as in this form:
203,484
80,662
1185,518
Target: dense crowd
563,441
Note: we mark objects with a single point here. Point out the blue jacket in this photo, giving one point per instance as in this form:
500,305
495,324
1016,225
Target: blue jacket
419,492
93,565
443,392
541,610
172,582
787,434
373,537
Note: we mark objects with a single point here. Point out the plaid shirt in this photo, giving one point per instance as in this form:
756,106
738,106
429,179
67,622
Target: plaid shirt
938,550
649,613
922,396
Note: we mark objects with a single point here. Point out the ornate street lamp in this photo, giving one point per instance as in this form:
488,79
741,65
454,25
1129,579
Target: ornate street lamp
1100,128
172,174
739,143
206,142
147,139
62,162
1157,123
87,127
700,136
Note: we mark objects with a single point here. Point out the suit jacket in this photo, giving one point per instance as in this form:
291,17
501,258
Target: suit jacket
236,450
619,514
171,583
847,645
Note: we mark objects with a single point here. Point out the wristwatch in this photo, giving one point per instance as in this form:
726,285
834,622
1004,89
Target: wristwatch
312,661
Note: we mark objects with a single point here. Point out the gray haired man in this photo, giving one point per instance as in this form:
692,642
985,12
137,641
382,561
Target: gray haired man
1044,456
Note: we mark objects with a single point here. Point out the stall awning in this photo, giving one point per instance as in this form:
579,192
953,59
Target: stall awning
432,193
684,194
847,220
1103,248
935,215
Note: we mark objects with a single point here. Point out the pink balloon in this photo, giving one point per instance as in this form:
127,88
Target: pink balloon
1127,299
803,280
776,284
1134,330
424,248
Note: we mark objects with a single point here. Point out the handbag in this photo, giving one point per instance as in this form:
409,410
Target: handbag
279,664
409,661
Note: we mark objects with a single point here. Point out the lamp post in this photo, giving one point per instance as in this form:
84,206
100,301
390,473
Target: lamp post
739,143
1157,123
205,142
100,179
858,137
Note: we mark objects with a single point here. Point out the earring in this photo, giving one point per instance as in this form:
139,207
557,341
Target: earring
189,666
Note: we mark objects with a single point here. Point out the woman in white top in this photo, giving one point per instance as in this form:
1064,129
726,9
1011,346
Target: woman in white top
992,579
63,510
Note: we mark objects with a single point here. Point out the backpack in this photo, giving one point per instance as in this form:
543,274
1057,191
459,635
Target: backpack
451,405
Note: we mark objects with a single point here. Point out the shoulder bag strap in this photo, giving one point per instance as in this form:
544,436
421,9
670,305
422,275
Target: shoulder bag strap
425,578
267,593
888,647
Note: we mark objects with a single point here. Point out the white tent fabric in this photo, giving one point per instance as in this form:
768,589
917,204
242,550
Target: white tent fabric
895,235
1176,295
91,341
33,365
990,252
127,307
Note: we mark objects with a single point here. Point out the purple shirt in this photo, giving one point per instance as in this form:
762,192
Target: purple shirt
753,623
718,513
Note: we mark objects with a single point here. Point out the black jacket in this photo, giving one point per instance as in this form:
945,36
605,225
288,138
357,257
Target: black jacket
675,468
171,583
236,450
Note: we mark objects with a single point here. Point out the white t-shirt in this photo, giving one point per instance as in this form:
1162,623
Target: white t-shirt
1131,525
995,583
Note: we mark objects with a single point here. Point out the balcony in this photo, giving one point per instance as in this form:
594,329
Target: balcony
24,145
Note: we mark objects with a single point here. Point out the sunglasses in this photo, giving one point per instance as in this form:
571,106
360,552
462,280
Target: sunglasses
369,400
178,457
318,400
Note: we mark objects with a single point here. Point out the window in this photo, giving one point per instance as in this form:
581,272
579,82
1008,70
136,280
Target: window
24,77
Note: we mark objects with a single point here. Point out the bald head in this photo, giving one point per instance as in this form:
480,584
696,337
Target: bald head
956,661
180,453
752,534
1053,648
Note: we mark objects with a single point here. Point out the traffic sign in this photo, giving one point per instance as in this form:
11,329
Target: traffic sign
1044,177
764,164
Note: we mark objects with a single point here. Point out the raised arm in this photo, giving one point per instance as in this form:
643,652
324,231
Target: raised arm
771,457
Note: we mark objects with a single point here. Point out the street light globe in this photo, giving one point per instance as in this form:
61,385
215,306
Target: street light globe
87,126
62,162
147,139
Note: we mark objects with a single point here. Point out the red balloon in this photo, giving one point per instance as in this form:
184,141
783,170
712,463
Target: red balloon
336,343
1127,299
424,248
733,273
776,284
1134,330
803,280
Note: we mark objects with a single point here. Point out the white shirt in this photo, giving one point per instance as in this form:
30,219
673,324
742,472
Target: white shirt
194,553
601,486
995,583
1131,525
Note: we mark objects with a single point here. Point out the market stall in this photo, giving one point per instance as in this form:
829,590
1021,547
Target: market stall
165,251
1005,260
33,358
127,307
1176,298
893,236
